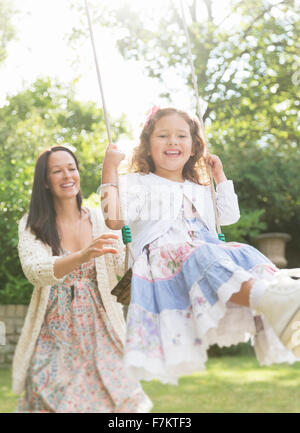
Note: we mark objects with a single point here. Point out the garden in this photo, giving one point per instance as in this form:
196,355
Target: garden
248,77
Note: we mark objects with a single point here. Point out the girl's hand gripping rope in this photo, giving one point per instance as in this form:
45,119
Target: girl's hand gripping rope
216,168
113,158
109,188
218,173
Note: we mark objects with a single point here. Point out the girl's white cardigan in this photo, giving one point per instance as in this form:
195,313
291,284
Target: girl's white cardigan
37,263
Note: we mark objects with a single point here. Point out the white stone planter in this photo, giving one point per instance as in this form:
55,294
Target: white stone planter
11,322
273,246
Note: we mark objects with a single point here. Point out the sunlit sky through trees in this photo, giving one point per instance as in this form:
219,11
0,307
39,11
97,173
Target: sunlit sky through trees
42,49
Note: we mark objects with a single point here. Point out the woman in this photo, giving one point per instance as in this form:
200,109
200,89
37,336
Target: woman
69,355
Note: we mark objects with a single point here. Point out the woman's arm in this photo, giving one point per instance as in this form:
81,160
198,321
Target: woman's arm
64,265
43,269
36,259
110,202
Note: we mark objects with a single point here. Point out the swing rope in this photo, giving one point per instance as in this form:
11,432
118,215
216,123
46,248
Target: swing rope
126,233
200,117
98,72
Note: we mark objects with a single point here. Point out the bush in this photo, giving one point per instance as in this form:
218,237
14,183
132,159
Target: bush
241,349
17,290
247,228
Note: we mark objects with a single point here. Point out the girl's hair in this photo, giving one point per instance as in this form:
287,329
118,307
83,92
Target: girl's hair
42,216
142,161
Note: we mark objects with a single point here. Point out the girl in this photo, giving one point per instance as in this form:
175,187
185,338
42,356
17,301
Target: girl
190,290
69,355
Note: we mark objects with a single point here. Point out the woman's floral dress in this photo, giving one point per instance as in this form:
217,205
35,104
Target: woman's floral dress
77,365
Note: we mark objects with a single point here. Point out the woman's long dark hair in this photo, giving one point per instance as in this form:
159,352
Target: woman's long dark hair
42,216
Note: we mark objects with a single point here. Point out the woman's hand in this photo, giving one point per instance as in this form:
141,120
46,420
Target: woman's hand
66,264
97,247
217,168
113,156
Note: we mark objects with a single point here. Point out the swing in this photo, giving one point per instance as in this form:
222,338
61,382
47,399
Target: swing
122,289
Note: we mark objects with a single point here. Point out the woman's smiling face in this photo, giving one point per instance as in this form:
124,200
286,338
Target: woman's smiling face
171,146
63,175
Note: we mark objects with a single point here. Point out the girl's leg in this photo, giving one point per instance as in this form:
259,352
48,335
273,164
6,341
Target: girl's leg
242,297
278,301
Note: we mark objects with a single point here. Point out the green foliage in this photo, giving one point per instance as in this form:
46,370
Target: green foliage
92,201
7,30
247,66
17,290
30,122
246,229
268,180
241,349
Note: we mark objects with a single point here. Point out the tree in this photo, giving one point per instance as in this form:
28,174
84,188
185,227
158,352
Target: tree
7,30
43,115
246,63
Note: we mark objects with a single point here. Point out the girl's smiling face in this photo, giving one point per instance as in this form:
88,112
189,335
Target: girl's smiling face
171,146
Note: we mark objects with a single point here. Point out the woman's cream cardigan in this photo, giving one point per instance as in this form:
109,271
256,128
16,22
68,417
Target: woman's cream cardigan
37,263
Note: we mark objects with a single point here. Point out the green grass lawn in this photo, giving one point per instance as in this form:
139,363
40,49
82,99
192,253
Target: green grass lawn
230,384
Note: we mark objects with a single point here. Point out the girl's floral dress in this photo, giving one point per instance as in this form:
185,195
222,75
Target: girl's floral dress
180,292
77,364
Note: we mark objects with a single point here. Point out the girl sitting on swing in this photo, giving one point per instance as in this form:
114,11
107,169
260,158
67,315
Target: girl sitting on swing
190,290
